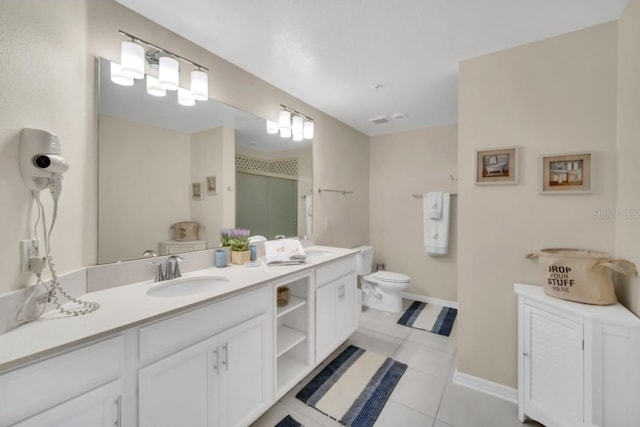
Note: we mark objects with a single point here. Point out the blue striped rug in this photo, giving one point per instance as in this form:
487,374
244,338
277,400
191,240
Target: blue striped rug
429,317
354,387
288,421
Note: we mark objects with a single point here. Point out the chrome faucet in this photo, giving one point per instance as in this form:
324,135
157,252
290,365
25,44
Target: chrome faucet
173,272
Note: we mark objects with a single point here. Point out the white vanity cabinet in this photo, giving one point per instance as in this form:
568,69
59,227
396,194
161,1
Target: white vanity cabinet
335,305
577,363
78,388
101,407
224,379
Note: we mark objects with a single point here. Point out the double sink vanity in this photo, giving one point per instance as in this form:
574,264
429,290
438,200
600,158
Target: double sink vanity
212,348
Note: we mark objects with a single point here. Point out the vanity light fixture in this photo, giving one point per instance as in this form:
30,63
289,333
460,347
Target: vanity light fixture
292,123
154,88
118,77
132,66
272,127
132,60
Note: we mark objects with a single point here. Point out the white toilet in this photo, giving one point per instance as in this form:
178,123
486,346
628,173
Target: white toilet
381,290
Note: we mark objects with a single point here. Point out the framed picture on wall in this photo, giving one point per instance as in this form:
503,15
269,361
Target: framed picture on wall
497,166
196,190
565,173
211,185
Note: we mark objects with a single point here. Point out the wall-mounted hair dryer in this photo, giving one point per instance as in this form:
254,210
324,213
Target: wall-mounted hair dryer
41,162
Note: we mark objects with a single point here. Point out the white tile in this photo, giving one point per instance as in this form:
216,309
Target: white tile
438,423
278,411
419,391
462,406
438,342
425,359
383,322
375,341
396,415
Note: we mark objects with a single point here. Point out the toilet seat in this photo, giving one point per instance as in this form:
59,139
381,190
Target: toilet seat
390,277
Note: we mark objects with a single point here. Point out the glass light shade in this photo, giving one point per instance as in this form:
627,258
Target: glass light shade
297,136
308,130
169,73
153,87
284,120
118,77
199,85
285,133
296,124
272,127
185,97
132,60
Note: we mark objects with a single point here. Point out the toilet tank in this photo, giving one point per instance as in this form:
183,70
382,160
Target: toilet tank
364,260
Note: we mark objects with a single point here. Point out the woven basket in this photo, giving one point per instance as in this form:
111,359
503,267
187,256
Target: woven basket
581,275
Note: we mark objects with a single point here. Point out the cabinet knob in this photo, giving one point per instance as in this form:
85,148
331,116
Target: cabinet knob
225,361
525,354
217,361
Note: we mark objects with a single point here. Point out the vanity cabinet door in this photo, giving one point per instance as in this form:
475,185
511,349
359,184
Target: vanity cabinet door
99,407
346,308
181,389
244,386
326,300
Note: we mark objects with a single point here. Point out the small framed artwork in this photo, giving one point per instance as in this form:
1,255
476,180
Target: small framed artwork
196,190
565,173
497,166
211,185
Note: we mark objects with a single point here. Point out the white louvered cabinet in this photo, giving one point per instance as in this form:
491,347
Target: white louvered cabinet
577,363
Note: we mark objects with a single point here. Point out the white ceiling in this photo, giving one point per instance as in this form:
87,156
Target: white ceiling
332,53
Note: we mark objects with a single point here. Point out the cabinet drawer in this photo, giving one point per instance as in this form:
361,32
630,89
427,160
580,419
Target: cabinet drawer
34,388
170,335
335,270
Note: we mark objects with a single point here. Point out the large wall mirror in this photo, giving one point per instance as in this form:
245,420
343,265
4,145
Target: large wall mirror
162,164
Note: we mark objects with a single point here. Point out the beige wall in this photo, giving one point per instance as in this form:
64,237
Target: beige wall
134,213
403,164
628,146
553,96
207,159
47,80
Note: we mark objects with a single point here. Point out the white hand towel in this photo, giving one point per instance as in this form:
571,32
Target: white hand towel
433,203
284,252
436,231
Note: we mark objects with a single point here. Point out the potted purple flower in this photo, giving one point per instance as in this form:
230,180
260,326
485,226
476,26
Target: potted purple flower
238,240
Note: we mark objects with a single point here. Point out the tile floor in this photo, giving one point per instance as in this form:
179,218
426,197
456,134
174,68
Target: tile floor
425,395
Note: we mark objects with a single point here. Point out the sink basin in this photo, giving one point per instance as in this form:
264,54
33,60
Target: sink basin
317,253
186,286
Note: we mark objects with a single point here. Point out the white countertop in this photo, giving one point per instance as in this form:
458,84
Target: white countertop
127,306
615,314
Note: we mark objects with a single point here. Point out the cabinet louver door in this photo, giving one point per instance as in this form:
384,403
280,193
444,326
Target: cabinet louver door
554,366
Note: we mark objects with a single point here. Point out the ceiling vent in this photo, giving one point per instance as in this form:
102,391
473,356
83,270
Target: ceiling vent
380,120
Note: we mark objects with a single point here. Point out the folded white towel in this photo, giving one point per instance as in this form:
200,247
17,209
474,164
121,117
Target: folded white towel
433,204
436,231
284,252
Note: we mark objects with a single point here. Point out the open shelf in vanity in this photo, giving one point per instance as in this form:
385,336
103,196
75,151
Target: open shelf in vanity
293,343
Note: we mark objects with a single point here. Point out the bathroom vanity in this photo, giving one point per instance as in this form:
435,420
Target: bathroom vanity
147,357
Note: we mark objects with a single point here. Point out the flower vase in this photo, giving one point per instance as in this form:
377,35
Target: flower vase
240,257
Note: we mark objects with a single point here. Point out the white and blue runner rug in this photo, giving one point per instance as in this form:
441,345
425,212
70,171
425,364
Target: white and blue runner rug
354,387
429,317
288,421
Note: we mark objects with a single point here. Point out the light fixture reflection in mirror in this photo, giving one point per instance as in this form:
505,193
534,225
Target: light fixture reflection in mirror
151,151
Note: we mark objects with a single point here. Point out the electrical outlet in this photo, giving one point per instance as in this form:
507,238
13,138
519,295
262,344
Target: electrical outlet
28,250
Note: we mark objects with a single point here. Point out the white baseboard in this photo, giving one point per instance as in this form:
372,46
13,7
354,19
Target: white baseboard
429,300
494,389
